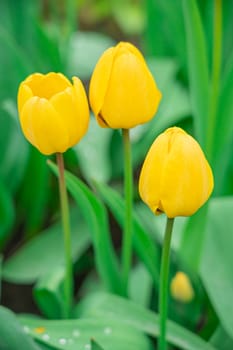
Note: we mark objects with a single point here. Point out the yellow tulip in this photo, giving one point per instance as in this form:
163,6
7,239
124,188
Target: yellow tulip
123,92
53,112
181,288
175,178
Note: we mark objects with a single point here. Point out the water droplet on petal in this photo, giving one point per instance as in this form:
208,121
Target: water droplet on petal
62,341
45,336
87,347
76,333
107,330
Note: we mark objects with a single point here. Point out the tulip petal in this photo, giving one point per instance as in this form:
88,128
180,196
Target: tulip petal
81,106
187,178
175,178
64,105
43,126
24,94
99,83
151,177
46,86
132,96
72,106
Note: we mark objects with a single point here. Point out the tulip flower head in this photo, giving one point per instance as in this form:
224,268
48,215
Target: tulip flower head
53,112
181,288
175,178
123,92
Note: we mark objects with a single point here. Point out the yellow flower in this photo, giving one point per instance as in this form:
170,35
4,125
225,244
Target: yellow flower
175,178
54,113
181,288
123,92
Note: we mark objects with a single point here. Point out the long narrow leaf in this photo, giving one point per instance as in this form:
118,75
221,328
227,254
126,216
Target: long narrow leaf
197,67
142,242
106,306
96,216
76,334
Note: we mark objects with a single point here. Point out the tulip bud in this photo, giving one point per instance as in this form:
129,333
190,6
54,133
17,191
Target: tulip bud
175,178
123,92
53,113
181,288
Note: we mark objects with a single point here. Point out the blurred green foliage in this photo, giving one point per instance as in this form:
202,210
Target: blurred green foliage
69,36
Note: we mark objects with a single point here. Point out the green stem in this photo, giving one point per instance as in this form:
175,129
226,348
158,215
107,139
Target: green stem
68,282
216,70
163,285
128,189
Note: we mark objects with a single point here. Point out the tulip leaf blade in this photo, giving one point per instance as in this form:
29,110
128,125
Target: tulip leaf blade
197,67
95,346
220,339
95,214
143,244
95,147
7,213
217,255
12,335
76,334
84,51
16,268
48,293
13,164
223,140
191,245
104,306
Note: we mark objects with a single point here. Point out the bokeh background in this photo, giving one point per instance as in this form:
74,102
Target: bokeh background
69,37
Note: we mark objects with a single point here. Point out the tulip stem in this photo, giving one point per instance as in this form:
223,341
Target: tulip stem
163,285
68,282
128,190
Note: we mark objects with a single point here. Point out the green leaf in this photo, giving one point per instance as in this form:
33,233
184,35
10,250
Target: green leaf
159,39
77,334
7,214
217,260
12,336
197,67
106,306
155,225
13,163
34,187
85,50
95,147
95,346
1,258
221,339
223,140
193,237
140,285
13,59
95,214
45,252
48,293
143,244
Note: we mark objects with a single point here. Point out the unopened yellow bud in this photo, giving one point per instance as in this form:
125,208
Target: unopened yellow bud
176,178
123,92
181,288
